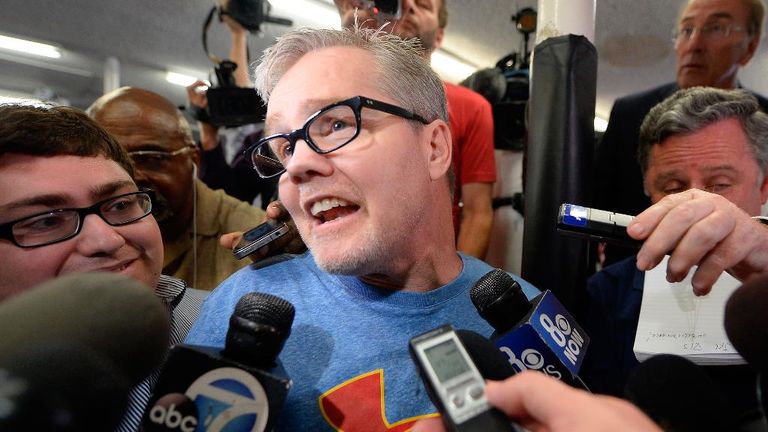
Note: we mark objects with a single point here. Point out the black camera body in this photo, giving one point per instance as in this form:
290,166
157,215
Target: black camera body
230,105
234,106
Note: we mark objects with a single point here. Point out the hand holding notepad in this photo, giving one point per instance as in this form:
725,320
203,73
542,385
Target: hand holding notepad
675,321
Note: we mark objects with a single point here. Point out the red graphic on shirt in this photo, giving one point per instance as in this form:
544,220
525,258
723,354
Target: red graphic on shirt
357,405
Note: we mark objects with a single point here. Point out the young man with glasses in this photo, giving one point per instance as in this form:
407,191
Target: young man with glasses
712,40
363,154
69,204
192,216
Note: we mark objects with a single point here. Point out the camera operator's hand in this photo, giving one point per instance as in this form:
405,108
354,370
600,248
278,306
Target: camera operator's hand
234,27
209,134
196,94
289,243
238,51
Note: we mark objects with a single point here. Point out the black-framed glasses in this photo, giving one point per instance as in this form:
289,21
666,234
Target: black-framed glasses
713,31
54,226
327,130
155,160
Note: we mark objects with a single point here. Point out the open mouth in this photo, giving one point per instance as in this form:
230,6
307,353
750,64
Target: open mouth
330,209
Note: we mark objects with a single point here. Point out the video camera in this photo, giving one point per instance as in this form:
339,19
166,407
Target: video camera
228,104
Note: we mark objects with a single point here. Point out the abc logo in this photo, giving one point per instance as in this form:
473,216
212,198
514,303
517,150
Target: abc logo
172,412
229,399
223,399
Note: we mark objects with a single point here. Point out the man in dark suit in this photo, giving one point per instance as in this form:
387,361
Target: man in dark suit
704,154
714,38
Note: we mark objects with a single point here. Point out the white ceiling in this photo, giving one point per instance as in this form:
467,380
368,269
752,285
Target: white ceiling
149,37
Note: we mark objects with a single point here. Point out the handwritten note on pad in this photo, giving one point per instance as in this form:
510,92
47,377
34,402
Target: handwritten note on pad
675,321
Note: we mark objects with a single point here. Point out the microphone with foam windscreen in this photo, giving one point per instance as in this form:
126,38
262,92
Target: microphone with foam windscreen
746,324
746,321
58,388
239,388
679,396
75,343
538,335
491,363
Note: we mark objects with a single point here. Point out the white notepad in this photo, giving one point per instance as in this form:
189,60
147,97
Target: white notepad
675,321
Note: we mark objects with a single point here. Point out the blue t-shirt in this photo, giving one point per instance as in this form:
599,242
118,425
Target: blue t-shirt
348,350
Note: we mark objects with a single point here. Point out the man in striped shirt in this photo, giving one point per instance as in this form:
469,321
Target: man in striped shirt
69,204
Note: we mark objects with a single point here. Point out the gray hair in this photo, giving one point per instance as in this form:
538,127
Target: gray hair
692,109
399,68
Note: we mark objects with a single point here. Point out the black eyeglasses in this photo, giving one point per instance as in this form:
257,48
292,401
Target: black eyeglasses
327,130
156,160
58,225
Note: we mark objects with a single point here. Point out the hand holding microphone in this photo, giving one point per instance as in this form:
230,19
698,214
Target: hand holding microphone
538,402
702,229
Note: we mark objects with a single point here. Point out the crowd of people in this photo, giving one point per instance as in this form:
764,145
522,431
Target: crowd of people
372,154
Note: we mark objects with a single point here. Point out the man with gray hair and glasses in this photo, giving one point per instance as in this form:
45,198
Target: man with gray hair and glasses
704,155
713,39
356,130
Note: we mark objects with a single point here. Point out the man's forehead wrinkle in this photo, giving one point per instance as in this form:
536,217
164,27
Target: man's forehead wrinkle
275,120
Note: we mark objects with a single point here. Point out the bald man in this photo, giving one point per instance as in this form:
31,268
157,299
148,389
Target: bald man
192,217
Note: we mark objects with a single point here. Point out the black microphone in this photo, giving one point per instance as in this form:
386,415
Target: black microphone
537,335
240,388
679,396
61,388
113,315
73,347
491,363
746,326
746,322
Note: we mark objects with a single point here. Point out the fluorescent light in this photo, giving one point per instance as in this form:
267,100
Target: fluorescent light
16,100
29,47
601,124
15,97
179,79
311,13
451,68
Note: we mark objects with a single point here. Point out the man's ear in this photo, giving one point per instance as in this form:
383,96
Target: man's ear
440,149
439,37
754,41
196,155
764,190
